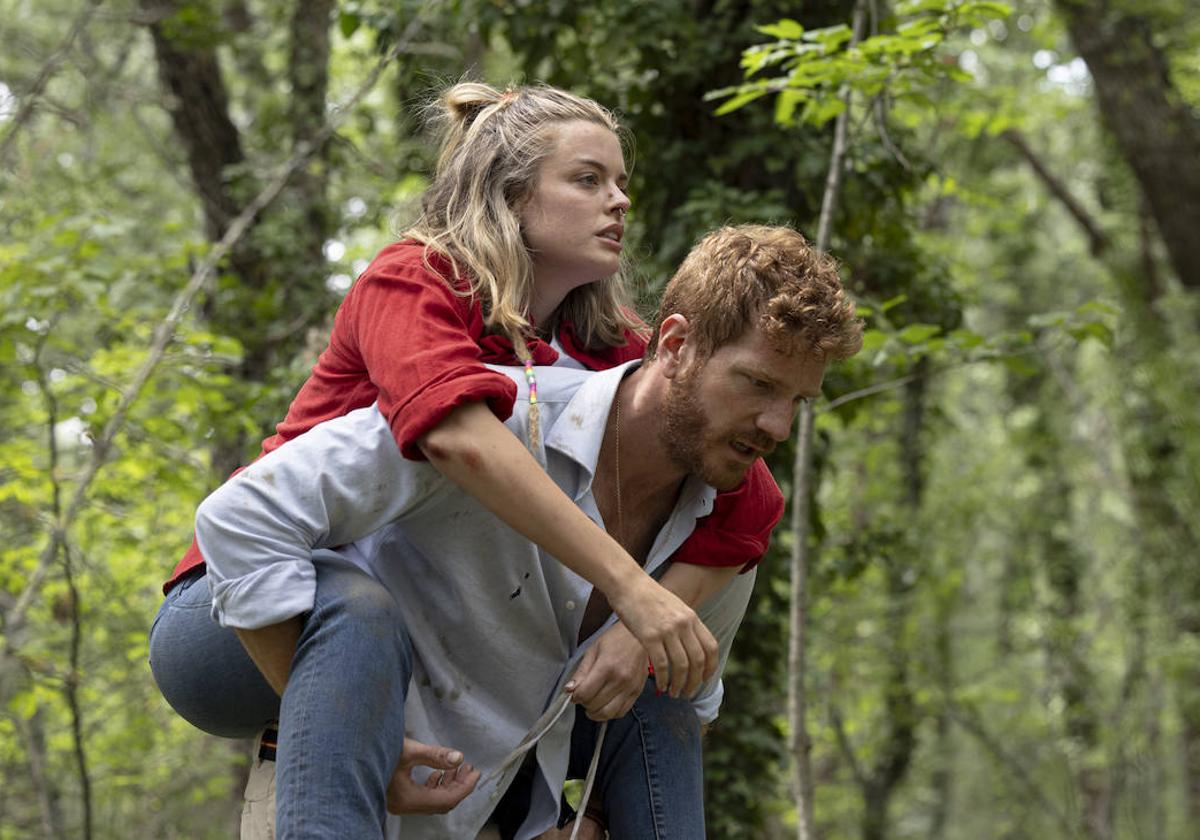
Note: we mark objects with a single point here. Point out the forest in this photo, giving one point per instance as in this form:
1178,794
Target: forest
980,616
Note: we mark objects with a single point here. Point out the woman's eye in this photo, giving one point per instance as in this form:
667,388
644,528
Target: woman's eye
590,179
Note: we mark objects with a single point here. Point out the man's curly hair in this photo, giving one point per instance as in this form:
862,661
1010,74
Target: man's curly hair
743,276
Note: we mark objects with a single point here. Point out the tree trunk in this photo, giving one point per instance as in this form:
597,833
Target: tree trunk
1065,570
1157,133
199,109
797,694
290,284
895,753
34,735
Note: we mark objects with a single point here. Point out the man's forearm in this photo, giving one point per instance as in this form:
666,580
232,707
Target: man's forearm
696,584
272,648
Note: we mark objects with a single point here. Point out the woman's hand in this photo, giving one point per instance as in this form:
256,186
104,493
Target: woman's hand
449,784
475,451
681,649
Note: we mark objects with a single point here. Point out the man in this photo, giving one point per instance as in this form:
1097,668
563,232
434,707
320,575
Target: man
490,629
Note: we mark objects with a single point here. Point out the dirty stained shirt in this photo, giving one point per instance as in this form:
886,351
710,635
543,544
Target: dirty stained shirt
493,620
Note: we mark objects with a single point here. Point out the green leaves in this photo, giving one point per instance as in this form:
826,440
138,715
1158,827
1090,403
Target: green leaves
813,65
784,30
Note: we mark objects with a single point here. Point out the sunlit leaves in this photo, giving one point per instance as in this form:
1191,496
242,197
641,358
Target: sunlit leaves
813,65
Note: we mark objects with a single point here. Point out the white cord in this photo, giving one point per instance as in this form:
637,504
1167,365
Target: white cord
539,729
591,780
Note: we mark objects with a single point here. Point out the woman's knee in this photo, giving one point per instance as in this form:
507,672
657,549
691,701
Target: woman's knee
352,603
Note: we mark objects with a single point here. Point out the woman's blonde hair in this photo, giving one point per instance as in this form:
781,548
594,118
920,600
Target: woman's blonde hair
492,143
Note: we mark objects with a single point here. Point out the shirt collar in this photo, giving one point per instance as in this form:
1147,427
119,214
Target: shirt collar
578,431
578,434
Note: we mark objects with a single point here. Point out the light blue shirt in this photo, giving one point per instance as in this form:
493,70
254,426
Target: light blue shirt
492,618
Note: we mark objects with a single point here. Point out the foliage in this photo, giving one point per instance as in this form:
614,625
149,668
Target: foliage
901,63
1007,495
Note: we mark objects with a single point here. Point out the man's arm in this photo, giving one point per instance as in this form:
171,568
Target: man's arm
613,671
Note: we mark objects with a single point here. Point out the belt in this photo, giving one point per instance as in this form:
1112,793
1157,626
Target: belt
268,743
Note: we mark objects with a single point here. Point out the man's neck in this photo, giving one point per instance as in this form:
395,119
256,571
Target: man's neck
635,510
635,486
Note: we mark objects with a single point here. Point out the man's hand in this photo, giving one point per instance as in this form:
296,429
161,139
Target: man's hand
450,783
611,676
682,650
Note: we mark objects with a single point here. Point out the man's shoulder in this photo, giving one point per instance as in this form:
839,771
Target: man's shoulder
754,506
556,384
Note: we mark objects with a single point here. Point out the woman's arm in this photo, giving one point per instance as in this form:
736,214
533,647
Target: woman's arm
483,457
612,674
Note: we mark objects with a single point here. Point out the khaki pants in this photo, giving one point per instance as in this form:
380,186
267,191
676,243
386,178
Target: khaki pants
258,809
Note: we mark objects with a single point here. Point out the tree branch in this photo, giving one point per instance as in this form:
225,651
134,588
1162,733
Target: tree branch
847,749
1034,791
71,684
1098,241
25,111
870,390
71,690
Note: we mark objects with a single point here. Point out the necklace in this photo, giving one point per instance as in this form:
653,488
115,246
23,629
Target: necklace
620,512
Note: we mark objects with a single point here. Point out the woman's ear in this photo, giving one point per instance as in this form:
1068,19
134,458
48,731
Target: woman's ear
673,348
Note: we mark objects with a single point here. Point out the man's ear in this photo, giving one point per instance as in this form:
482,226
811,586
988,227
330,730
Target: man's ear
673,349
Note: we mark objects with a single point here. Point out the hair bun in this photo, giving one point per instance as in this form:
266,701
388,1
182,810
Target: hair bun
465,100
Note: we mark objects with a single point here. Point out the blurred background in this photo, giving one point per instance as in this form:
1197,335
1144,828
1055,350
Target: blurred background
1002,611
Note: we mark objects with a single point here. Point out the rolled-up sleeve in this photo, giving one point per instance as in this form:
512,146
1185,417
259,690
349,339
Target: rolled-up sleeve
330,486
722,614
419,340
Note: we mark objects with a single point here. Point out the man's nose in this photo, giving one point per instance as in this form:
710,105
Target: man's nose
776,420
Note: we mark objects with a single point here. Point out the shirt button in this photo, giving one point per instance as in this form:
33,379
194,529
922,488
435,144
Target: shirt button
570,605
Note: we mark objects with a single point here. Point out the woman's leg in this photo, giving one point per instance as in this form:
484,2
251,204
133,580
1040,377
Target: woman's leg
341,721
341,727
650,777
202,669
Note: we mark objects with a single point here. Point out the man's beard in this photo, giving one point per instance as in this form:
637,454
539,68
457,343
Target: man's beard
685,432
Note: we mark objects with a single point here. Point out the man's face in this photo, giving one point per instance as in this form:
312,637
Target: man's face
722,414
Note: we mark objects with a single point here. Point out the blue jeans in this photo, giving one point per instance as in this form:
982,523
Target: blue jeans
650,777
341,719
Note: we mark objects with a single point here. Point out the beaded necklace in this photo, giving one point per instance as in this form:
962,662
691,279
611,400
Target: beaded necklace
535,413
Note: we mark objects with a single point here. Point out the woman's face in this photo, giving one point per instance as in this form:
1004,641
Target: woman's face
574,220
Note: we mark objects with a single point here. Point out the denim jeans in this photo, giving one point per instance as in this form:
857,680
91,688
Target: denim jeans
650,777
341,720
